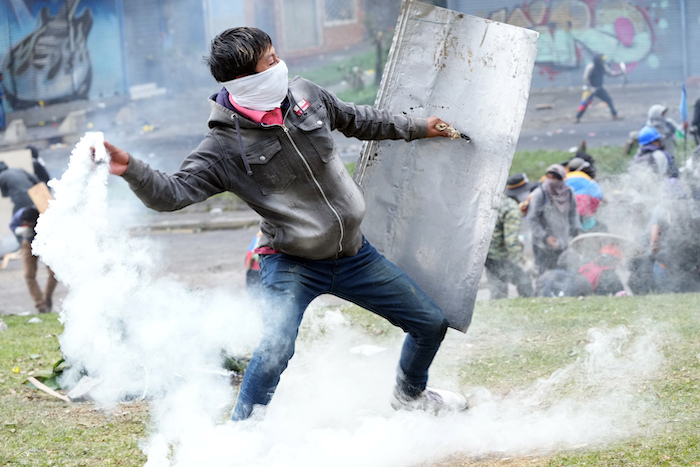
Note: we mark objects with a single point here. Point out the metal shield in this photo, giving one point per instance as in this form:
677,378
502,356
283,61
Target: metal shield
432,203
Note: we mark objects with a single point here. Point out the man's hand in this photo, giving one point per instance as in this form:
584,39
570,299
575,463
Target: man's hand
433,131
119,159
552,242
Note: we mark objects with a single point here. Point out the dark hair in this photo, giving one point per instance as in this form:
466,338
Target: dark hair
236,52
30,214
34,150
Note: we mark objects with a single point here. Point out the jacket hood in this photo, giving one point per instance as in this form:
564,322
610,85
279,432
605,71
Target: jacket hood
598,60
223,113
655,113
3,166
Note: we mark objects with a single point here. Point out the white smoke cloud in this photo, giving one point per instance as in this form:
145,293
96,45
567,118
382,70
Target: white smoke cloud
144,336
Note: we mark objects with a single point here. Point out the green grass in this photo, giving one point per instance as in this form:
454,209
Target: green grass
40,430
517,342
608,161
364,96
334,73
513,344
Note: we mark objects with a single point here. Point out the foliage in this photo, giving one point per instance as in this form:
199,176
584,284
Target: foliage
608,161
334,73
365,96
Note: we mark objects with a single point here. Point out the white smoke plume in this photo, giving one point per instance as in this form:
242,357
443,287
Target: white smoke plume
143,336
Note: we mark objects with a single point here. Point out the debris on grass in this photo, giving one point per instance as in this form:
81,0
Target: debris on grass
47,389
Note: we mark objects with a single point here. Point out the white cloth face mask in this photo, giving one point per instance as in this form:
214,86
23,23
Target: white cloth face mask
262,91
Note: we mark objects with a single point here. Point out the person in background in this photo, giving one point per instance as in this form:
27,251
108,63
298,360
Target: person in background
581,153
506,253
270,143
674,241
651,154
588,193
39,165
593,76
601,271
519,187
14,183
252,264
667,127
553,218
22,224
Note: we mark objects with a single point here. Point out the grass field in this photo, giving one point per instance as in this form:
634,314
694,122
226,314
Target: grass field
512,347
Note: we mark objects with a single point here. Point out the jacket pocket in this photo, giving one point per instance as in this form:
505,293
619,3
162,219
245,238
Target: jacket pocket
271,170
313,124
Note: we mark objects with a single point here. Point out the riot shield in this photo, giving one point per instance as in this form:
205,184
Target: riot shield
432,203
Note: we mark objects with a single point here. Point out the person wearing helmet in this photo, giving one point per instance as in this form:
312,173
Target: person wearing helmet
651,154
593,85
667,127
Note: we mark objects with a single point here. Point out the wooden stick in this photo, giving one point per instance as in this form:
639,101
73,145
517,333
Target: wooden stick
47,389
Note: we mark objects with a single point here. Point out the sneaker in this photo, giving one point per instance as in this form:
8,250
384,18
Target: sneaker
434,401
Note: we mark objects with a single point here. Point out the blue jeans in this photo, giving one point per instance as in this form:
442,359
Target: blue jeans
367,279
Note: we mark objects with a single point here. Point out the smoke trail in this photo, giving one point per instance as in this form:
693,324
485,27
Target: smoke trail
143,336
124,324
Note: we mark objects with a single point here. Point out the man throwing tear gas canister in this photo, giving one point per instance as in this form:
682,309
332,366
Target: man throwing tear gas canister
270,143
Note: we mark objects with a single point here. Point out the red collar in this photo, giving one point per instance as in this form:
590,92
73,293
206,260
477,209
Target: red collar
273,117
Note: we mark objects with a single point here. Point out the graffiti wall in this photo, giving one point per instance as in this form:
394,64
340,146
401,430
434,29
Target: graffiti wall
647,38
60,50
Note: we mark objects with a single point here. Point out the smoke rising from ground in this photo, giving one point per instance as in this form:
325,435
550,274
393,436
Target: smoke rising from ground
144,336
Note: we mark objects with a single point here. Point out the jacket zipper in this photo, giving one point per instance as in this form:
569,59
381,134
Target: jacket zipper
320,189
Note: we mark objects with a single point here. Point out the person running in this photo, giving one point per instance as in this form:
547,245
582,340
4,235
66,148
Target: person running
593,85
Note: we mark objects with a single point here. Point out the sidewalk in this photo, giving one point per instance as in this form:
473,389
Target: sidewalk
197,221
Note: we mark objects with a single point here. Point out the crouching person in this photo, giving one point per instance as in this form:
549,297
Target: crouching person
506,253
270,143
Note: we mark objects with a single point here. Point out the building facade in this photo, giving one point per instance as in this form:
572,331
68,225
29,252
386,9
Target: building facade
54,51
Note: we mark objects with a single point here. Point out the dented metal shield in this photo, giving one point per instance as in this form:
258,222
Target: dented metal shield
432,203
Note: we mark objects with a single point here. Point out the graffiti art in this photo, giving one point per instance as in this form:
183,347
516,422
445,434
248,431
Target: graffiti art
52,63
618,29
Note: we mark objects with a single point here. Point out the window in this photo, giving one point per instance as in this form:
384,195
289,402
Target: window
340,11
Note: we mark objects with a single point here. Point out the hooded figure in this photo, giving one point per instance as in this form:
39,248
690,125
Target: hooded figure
593,85
270,143
553,218
651,154
14,183
656,118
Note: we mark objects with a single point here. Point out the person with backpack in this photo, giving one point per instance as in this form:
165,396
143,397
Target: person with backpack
553,218
667,127
506,253
588,193
22,224
651,154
